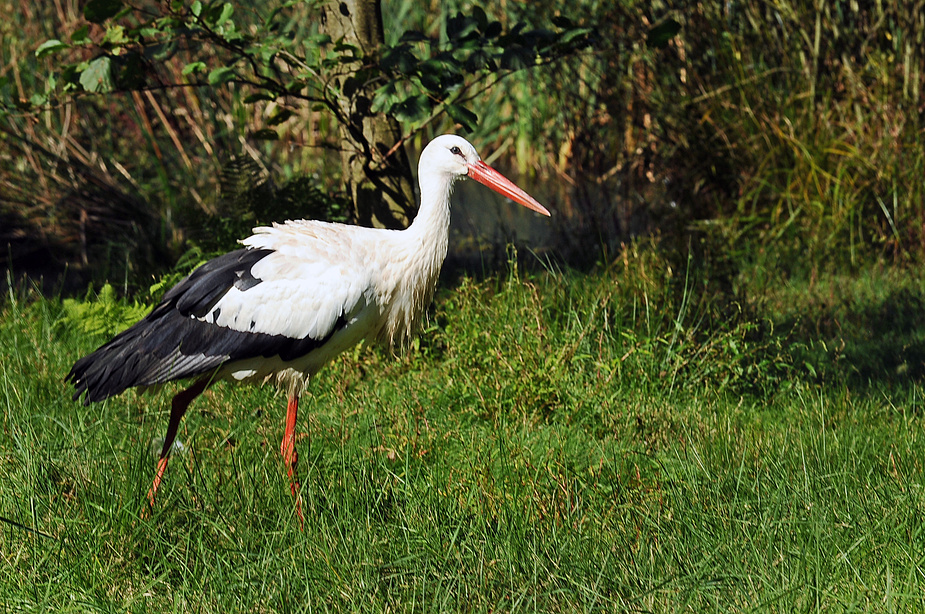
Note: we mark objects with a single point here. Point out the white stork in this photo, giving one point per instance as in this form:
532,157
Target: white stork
297,295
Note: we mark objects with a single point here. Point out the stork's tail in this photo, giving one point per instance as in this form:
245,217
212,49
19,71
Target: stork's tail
147,354
111,369
173,342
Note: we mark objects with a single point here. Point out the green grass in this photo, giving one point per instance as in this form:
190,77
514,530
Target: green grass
556,442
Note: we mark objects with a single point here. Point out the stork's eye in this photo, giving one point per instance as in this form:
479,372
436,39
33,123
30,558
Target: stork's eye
456,151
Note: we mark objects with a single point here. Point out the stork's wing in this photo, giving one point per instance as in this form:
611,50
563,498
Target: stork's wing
246,304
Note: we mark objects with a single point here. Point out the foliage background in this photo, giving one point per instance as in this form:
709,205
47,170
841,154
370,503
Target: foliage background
774,136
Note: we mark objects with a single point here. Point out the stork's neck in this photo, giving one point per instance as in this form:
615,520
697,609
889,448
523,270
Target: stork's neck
420,253
432,223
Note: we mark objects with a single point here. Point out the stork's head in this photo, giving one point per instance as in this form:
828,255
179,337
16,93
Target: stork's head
448,154
455,157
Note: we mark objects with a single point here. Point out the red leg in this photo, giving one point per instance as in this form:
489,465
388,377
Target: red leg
177,408
290,456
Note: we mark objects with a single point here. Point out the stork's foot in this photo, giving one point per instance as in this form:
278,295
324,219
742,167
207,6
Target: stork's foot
152,492
297,496
291,458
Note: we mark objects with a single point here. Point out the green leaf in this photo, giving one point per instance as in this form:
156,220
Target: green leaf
161,52
114,37
97,77
413,36
431,82
348,53
193,67
81,35
279,117
265,134
478,61
568,36
399,58
128,71
411,108
301,80
221,75
258,96
516,58
460,27
49,47
480,17
70,77
319,40
350,86
463,116
196,8
98,11
660,35
225,15
148,32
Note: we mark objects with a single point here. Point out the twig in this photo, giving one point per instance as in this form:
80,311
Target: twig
19,525
170,131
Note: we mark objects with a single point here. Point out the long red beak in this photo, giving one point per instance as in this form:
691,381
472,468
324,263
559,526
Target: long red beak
486,175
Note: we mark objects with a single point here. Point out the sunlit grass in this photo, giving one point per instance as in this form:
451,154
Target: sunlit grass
531,453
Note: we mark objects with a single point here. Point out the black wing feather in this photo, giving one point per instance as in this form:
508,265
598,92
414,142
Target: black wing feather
170,343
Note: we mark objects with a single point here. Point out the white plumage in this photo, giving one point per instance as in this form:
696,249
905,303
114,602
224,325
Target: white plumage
295,296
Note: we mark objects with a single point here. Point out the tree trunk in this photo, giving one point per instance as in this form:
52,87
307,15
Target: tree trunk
381,185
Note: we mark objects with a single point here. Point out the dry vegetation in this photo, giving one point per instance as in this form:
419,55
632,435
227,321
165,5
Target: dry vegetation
770,133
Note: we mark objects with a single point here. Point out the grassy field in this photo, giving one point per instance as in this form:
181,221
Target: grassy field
616,441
